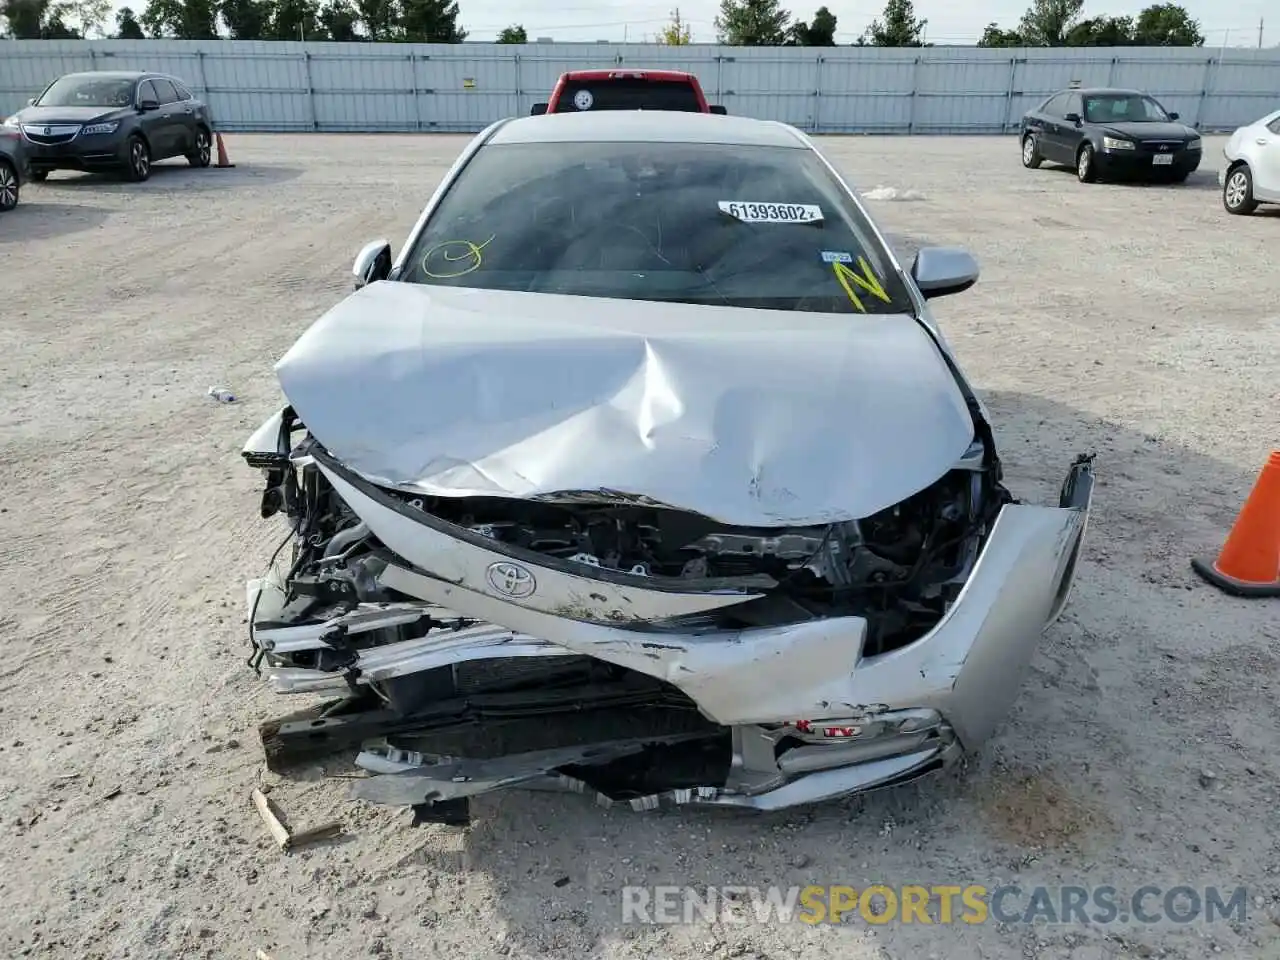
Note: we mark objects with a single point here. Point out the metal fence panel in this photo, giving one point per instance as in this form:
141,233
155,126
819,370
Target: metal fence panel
372,87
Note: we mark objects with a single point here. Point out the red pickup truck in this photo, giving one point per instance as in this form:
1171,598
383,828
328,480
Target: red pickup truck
581,90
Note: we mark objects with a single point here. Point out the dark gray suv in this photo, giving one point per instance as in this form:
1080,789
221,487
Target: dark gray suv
113,120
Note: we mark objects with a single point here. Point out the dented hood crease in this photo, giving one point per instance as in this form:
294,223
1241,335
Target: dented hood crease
751,417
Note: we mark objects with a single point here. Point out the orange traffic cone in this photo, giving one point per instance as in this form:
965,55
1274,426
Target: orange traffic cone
222,153
1249,564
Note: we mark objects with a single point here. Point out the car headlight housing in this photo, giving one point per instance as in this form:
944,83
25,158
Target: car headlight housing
96,128
1114,143
1193,144
11,122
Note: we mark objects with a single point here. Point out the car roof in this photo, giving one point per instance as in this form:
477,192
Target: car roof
1095,91
113,74
649,126
610,74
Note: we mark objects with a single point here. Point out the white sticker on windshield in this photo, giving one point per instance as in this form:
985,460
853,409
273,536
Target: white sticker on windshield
583,99
772,212
836,256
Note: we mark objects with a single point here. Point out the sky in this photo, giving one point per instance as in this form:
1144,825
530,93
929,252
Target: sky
1233,24
1223,24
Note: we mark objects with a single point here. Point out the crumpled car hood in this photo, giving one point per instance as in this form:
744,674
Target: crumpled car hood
750,417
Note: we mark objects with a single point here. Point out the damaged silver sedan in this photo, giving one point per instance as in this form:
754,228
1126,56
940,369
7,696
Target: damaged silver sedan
644,470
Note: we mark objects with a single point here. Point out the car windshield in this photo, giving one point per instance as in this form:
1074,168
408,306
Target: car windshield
1122,108
627,93
743,226
87,92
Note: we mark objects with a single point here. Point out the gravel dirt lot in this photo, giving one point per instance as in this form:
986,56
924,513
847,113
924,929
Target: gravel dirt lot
1140,322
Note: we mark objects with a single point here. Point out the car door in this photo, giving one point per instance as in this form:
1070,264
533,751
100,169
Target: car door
152,122
1073,131
176,117
1266,147
1051,147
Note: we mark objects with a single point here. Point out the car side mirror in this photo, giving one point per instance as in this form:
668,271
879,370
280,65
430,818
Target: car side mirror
941,271
1174,115
146,106
373,263
538,110
719,110
1072,118
31,102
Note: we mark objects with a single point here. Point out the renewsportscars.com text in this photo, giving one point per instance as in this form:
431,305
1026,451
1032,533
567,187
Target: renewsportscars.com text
939,904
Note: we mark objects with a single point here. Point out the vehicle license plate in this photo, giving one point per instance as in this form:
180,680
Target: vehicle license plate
1162,159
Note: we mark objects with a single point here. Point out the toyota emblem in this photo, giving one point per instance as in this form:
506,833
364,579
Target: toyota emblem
511,580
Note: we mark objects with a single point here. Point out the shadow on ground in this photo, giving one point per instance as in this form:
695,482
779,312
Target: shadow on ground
176,176
1201,179
45,221
1093,779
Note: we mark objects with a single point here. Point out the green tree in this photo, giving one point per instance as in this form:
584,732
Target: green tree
26,18
752,23
677,33
294,20
338,20
380,18
820,32
513,34
1101,32
994,36
1048,22
54,19
127,25
900,27
56,28
182,19
1167,25
430,21
246,19
85,16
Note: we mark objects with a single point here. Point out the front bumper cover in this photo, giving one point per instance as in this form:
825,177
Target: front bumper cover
1138,163
961,677
98,152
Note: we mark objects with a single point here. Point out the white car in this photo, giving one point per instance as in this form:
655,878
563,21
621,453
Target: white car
1251,174
644,469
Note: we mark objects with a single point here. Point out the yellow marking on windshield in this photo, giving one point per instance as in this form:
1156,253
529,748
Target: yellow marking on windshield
868,281
453,251
840,270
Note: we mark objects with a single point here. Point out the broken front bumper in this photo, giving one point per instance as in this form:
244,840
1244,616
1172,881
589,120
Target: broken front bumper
867,721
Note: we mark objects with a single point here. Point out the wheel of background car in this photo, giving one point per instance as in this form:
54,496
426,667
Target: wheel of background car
8,186
200,156
1031,152
138,164
1237,191
1084,165
39,176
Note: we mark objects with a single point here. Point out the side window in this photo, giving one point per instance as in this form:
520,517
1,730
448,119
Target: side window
1056,106
1074,105
183,92
147,92
165,90
1274,125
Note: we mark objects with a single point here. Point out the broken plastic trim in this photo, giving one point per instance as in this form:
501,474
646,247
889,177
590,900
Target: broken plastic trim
741,586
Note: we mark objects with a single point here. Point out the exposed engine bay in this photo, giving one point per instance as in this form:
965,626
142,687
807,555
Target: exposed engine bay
900,568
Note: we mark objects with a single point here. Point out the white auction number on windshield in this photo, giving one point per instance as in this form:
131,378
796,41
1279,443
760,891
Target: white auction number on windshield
749,212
